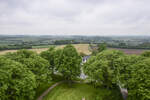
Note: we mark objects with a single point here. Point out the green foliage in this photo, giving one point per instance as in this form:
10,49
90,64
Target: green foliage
102,47
111,67
123,71
15,47
98,48
101,68
146,54
58,55
36,64
133,74
49,55
68,62
23,72
17,82
139,82
61,42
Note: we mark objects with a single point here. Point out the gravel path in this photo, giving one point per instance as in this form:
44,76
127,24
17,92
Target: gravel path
48,90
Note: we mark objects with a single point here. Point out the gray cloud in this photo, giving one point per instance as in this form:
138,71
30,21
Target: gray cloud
77,17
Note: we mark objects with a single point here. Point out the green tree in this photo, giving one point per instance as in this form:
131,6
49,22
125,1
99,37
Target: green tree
17,82
99,72
133,74
38,65
69,63
146,54
139,81
101,68
57,56
49,55
102,47
123,71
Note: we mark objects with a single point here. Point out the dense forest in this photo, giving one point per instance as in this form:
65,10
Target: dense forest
23,72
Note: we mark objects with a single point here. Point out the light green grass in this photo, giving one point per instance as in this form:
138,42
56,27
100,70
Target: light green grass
42,46
78,91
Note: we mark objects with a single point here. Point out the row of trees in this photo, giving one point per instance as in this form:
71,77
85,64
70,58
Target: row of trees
61,42
14,47
22,72
111,68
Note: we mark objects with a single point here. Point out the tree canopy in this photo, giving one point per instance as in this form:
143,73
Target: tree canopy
133,74
69,63
111,67
146,54
102,47
38,65
17,82
49,55
139,81
22,72
101,67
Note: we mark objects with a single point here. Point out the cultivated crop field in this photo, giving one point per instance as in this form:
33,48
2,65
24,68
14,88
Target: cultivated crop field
84,48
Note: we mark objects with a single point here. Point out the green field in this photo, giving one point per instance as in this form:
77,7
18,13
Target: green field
79,90
42,46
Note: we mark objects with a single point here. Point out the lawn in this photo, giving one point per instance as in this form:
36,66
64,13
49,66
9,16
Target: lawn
45,86
79,90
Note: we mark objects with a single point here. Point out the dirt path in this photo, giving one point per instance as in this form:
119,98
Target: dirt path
48,90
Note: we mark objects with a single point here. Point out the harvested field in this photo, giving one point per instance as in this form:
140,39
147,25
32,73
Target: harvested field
36,50
80,48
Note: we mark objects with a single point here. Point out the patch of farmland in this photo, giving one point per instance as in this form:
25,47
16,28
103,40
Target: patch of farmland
130,51
84,48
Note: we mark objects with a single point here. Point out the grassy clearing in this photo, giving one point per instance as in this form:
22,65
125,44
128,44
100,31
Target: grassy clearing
84,48
78,91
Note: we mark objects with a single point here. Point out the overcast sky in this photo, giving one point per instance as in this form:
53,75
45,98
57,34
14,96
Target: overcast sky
75,17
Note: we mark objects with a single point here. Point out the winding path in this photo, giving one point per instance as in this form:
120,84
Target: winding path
48,90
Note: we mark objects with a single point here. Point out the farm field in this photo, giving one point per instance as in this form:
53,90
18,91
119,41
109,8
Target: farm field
130,51
84,48
80,90
80,48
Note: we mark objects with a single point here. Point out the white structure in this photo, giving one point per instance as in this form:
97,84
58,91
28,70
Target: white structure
124,92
